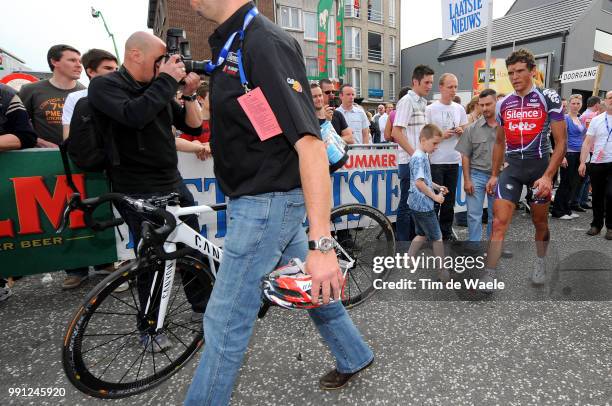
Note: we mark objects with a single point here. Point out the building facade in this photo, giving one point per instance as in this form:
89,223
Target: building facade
371,50
164,14
563,35
371,38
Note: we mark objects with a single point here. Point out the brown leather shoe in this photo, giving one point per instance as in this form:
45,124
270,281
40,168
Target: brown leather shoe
72,282
593,231
337,380
609,234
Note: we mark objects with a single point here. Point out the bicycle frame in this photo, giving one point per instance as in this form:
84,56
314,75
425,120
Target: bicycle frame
191,238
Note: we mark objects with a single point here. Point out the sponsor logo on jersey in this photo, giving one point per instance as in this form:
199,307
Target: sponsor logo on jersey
518,114
521,126
552,95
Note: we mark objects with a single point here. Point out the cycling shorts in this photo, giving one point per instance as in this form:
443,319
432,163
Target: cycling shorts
519,173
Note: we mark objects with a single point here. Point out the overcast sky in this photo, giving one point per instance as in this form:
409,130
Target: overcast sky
27,30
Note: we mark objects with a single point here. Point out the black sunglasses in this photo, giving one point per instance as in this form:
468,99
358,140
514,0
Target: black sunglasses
328,92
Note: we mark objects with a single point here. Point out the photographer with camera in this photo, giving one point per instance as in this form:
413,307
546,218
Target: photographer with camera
330,104
134,108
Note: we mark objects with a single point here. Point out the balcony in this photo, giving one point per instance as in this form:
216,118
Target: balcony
375,16
351,12
392,59
392,21
352,53
376,94
357,91
375,55
392,95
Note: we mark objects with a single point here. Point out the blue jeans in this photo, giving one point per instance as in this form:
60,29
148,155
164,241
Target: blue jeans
403,224
264,231
475,204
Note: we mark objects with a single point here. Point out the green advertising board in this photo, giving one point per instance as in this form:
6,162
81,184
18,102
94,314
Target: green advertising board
34,193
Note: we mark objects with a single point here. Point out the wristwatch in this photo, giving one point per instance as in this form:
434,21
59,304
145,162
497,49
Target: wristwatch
323,244
189,98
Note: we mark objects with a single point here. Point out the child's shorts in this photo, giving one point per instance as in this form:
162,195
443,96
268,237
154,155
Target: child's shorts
426,224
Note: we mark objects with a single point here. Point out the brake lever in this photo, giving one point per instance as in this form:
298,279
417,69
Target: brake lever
64,221
72,205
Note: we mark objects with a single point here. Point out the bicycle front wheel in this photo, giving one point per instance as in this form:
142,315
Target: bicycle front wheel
363,232
108,354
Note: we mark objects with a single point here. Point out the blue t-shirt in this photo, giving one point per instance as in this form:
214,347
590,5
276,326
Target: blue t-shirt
419,169
575,135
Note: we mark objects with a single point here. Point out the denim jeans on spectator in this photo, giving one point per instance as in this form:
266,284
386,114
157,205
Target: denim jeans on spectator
581,197
194,292
446,175
404,225
264,231
475,204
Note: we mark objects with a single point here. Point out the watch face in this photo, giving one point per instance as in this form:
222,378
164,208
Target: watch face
326,244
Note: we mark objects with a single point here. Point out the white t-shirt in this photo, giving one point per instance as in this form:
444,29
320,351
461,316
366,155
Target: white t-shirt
382,123
69,104
357,119
446,116
602,151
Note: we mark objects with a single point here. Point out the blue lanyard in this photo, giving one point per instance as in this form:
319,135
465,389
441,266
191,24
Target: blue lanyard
210,66
607,128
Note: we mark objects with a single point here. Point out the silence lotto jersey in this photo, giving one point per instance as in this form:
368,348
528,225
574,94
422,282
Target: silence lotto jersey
526,122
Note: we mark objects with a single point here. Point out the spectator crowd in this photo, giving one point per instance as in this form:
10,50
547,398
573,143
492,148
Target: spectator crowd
39,115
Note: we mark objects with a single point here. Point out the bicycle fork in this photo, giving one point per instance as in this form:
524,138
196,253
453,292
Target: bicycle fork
168,281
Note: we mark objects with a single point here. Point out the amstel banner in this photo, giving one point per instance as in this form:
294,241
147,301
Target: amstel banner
34,193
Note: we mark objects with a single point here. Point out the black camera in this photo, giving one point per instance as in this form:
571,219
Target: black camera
177,44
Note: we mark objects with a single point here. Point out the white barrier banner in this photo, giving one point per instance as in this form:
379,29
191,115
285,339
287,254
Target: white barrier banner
370,176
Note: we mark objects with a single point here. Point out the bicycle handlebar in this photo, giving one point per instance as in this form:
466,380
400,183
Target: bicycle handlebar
151,236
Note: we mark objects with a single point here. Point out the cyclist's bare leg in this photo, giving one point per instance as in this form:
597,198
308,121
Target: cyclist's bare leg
502,216
539,217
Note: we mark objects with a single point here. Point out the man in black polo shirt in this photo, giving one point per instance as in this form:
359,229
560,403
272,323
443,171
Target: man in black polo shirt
272,176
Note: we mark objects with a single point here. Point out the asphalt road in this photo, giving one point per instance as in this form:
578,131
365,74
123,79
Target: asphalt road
524,345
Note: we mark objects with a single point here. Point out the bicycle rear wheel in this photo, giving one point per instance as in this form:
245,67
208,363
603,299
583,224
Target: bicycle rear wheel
103,353
363,232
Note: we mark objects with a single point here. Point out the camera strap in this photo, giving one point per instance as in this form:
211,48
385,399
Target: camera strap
210,66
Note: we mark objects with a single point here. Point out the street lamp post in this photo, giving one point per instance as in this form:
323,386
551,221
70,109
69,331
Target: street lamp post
95,14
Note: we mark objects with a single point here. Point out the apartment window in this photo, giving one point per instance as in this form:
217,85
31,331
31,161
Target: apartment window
291,17
312,69
375,47
310,26
331,30
392,9
352,43
392,86
353,78
375,85
392,51
375,11
350,11
331,68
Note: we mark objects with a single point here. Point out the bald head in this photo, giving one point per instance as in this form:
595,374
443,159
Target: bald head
142,52
142,41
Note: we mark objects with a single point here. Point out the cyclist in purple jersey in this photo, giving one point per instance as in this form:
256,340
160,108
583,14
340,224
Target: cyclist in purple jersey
526,117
